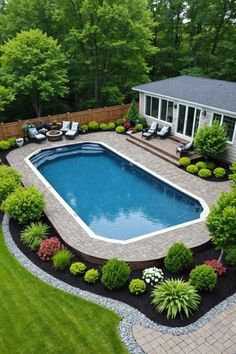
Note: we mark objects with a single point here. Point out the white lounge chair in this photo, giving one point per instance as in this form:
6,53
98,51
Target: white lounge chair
71,134
164,131
33,134
65,127
149,132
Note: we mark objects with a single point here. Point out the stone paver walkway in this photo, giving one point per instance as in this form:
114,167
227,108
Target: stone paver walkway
218,336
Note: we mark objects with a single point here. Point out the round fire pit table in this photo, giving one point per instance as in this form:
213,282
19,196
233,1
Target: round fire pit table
54,135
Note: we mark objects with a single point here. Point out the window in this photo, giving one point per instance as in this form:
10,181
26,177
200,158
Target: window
228,121
167,111
180,127
148,106
163,109
155,107
170,112
152,108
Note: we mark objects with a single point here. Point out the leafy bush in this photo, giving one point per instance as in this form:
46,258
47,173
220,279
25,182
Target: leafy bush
61,258
84,128
133,114
219,172
12,141
7,171
93,126
204,173
175,296
77,268
233,175
91,276
120,129
203,277
200,165
5,145
142,121
48,247
230,256
216,265
137,286
153,275
210,165
192,169
115,273
111,126
24,204
184,161
103,126
7,185
138,127
33,234
119,122
178,257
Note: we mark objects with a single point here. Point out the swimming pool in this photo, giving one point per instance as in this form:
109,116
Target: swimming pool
113,197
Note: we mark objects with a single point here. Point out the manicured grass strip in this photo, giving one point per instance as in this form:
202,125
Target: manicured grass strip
37,318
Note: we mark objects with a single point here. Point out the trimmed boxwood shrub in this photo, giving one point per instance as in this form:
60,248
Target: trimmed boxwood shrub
115,273
178,257
61,259
210,165
230,255
7,185
137,286
192,169
93,126
77,268
120,129
119,122
184,161
33,234
5,145
91,276
138,127
111,126
24,204
219,172
83,128
200,165
204,173
103,126
203,277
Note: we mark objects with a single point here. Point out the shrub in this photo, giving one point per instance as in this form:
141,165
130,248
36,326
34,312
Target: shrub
133,114
175,296
204,173
115,273
24,204
91,276
184,161
48,247
210,165
230,255
111,126
119,122
12,141
203,277
120,129
61,258
178,257
219,172
93,126
142,121
7,171
138,127
7,185
137,286
33,234
200,165
84,128
77,268
192,169
216,265
5,145
153,275
103,126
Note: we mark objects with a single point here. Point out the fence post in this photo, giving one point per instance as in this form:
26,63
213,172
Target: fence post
2,131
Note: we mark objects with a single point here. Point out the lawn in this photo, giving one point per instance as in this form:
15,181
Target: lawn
37,318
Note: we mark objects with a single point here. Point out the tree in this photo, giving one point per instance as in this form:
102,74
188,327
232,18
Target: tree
6,97
211,140
133,113
33,65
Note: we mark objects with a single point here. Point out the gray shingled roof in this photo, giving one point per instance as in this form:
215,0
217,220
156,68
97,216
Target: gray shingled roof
207,92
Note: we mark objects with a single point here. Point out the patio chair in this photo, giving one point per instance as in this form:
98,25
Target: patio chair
34,135
149,132
65,127
185,149
164,132
71,134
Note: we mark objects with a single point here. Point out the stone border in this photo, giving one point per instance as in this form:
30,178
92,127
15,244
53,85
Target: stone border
130,316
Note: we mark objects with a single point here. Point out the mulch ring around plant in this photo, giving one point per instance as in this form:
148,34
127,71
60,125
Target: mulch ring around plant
226,284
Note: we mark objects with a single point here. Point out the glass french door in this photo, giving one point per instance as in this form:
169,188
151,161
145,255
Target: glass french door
188,120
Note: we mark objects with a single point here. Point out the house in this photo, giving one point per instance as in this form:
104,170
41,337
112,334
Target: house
186,103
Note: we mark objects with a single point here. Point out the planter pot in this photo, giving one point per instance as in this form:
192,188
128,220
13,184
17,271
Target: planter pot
20,142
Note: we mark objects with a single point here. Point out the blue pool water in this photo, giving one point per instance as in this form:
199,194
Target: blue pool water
115,198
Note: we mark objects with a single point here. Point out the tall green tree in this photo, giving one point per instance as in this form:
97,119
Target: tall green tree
32,64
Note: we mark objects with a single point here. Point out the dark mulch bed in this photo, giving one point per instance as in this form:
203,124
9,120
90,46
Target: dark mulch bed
226,285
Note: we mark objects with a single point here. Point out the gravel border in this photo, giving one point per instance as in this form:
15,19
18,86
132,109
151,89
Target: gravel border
130,316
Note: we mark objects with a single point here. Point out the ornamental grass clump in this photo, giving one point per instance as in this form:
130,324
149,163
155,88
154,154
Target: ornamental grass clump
115,273
48,247
203,277
61,259
91,276
178,258
33,234
153,275
77,268
137,286
175,297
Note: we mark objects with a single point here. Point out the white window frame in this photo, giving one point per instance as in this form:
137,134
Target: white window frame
221,122
159,108
185,120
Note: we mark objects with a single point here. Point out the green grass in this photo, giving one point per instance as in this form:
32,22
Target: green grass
37,318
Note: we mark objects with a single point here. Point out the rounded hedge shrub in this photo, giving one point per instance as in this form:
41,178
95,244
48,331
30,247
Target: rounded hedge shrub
119,122
219,172
93,126
120,129
84,128
7,185
200,165
77,268
230,255
12,141
203,277
111,126
184,161
138,127
192,169
5,145
61,259
91,276
210,165
178,257
137,286
175,297
204,173
24,204
33,234
115,273
7,171
103,127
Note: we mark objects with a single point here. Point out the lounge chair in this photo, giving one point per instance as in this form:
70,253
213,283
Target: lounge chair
185,149
71,134
149,132
65,127
164,132
34,135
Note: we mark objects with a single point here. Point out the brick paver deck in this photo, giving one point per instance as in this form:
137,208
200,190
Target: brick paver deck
143,250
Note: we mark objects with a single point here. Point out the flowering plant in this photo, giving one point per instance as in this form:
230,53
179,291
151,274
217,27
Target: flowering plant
153,275
48,247
217,266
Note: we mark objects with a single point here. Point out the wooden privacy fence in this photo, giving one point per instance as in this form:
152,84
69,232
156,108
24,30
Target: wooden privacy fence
100,115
